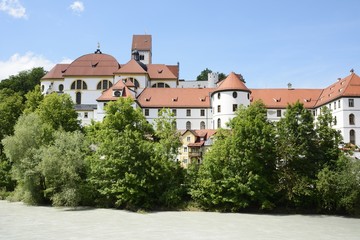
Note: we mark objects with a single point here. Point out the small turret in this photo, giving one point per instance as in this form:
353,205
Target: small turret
213,78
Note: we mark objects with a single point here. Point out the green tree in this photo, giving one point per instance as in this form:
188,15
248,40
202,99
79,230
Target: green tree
25,81
33,100
127,168
329,140
22,150
339,187
298,156
238,171
203,76
63,167
58,111
10,109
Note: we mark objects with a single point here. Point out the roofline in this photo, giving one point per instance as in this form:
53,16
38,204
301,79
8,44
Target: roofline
229,90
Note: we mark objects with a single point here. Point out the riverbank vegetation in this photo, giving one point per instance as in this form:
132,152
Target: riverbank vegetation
46,157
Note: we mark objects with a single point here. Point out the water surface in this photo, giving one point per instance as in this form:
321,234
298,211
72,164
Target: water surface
18,221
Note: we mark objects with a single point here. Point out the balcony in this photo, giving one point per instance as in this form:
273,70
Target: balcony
195,154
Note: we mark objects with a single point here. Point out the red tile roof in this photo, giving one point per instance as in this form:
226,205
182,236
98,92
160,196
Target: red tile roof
175,97
280,98
56,72
107,95
141,42
95,64
174,69
232,82
346,87
132,67
160,71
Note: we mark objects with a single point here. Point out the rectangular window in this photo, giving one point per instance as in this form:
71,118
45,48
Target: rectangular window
188,139
202,112
351,102
334,105
142,57
339,104
219,108
185,149
174,112
86,115
185,160
235,106
188,112
146,113
278,113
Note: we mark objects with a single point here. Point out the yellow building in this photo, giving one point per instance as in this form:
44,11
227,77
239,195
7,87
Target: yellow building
194,145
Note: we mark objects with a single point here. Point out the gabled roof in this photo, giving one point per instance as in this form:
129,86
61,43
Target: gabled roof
141,42
175,97
174,69
56,72
232,82
132,66
280,98
346,87
203,133
108,95
160,71
95,64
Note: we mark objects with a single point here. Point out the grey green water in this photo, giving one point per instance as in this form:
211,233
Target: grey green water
18,221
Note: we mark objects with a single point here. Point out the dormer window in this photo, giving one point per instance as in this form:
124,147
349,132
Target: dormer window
117,93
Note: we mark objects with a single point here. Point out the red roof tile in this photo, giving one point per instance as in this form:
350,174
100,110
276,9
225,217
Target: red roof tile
56,72
132,67
346,87
280,98
141,42
160,71
232,82
95,64
175,97
174,69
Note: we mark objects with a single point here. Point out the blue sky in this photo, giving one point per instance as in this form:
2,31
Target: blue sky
309,43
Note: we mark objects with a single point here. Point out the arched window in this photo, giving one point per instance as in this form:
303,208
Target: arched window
61,88
202,125
104,84
234,94
219,95
219,123
160,85
352,119
42,88
352,136
78,98
79,84
133,80
188,125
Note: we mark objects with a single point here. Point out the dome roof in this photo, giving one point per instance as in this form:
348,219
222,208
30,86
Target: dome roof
94,64
232,82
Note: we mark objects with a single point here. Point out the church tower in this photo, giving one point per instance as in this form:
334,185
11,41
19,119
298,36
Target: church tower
141,48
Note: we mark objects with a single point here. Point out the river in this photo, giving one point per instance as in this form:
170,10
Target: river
18,221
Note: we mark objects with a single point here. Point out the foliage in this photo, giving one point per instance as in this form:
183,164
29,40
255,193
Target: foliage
328,140
238,171
203,76
58,111
33,100
63,167
21,149
339,188
128,169
10,109
296,143
23,82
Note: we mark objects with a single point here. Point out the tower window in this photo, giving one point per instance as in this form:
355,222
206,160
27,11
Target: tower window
219,108
219,123
352,136
351,102
218,96
235,106
235,94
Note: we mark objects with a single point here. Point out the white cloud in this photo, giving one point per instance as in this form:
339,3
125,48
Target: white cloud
77,7
17,63
13,8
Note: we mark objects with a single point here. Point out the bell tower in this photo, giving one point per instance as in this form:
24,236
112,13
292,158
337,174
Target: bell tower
141,48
